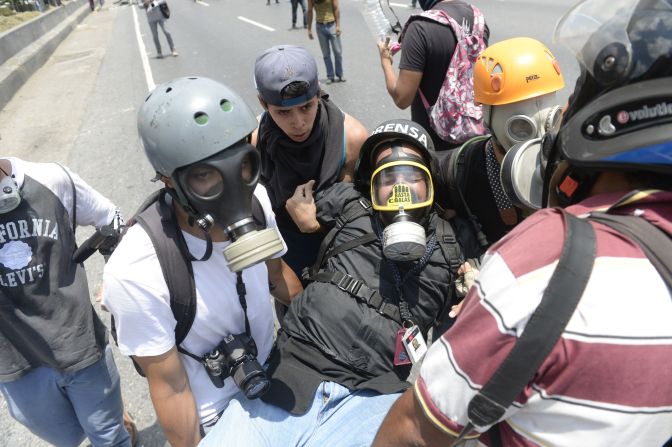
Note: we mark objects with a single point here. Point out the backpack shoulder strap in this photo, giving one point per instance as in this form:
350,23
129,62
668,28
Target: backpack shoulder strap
454,181
159,223
652,240
450,249
351,211
543,329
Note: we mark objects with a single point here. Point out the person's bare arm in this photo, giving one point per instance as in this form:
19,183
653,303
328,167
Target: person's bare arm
401,89
284,283
355,134
337,16
309,19
407,425
172,398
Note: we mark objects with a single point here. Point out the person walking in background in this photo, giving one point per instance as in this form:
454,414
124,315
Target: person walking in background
156,18
295,6
57,372
328,28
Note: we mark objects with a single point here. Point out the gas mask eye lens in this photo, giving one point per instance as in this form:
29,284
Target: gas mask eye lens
521,128
401,185
205,181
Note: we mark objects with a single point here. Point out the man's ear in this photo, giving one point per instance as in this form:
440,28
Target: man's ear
263,103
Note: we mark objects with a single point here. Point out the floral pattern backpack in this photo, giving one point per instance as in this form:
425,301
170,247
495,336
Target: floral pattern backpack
455,117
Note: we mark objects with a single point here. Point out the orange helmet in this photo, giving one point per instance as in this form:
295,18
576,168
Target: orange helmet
514,70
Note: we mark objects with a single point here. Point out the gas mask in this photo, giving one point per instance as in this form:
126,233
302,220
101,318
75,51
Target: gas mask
218,191
402,188
10,197
524,120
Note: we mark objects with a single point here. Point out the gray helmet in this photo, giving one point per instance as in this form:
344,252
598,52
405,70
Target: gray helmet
189,119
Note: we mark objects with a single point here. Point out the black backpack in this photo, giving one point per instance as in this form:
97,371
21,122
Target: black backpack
445,237
557,305
157,217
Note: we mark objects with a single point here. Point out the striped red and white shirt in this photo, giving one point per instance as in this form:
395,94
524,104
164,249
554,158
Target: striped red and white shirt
608,380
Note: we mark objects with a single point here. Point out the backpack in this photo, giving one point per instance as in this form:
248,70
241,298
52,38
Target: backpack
455,182
455,117
165,10
358,289
157,218
548,322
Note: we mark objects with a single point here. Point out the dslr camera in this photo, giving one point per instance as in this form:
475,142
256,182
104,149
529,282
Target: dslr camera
236,357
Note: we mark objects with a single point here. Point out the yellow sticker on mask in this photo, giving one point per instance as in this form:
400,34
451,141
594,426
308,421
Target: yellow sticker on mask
401,195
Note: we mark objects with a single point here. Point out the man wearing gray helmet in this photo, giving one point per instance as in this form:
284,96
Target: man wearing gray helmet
195,133
603,380
385,274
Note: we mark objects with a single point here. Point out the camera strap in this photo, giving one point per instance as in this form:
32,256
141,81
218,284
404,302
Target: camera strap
242,291
240,288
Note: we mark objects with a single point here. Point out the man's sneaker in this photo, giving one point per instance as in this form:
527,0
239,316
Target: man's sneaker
174,53
341,79
329,81
159,56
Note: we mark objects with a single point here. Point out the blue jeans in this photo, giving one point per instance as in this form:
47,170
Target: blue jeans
337,417
326,34
295,6
63,408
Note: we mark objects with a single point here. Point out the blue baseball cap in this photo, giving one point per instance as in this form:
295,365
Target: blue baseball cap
281,65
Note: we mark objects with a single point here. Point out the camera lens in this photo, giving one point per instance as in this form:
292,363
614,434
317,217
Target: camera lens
256,387
251,378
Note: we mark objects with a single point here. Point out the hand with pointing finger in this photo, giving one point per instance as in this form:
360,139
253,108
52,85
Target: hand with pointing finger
301,208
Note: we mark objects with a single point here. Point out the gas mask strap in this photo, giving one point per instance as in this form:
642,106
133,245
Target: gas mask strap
181,243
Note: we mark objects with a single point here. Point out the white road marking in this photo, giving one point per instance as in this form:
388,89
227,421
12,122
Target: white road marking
252,22
149,78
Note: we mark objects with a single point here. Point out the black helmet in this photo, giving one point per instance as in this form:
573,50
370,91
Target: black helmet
620,113
397,129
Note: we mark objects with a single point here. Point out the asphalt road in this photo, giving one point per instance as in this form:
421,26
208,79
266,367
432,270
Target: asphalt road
80,108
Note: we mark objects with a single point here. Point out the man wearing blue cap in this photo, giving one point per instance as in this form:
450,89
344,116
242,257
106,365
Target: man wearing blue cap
307,143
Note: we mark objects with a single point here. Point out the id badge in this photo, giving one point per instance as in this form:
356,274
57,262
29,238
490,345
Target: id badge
400,355
414,343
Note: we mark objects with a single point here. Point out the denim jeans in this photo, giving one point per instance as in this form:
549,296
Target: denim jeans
326,34
153,26
295,6
63,408
337,417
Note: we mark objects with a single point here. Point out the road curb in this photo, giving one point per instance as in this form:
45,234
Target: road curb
37,43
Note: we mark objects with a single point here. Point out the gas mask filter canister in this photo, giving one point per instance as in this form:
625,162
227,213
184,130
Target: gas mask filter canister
10,198
402,186
220,191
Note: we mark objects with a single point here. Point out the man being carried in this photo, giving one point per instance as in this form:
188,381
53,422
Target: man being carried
385,273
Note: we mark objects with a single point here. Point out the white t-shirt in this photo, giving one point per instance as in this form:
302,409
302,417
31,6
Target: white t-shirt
137,295
92,207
